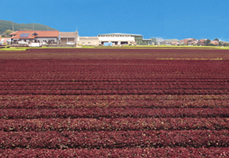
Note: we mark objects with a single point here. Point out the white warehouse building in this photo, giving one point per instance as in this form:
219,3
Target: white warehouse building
116,38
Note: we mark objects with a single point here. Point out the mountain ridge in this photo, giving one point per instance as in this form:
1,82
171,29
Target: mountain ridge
5,25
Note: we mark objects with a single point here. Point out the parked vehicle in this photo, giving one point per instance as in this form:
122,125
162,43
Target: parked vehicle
35,45
70,43
108,44
43,44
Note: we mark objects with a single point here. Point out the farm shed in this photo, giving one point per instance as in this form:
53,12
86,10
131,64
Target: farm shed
66,37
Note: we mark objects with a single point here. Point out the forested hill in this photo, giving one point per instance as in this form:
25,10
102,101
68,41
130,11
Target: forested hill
5,25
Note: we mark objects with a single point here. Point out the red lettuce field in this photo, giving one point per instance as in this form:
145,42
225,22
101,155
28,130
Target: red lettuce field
89,103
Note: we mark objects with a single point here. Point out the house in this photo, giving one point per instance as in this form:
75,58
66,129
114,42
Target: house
49,37
164,43
201,42
175,43
189,41
215,42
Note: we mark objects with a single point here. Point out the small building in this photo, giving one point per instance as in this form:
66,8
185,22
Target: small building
88,41
68,38
189,41
175,43
49,37
215,42
201,42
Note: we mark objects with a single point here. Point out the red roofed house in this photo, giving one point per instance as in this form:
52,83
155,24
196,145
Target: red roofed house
189,41
201,42
50,37
215,42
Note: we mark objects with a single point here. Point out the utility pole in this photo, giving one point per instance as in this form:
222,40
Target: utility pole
13,26
33,26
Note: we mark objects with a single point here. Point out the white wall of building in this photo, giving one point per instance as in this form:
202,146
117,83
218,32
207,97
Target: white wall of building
88,41
46,39
116,39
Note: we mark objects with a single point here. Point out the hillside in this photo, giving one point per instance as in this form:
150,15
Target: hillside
5,25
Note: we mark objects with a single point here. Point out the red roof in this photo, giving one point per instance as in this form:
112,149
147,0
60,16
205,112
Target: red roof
33,34
202,40
215,42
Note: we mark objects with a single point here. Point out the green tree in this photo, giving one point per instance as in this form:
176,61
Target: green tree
25,29
216,39
207,42
220,43
8,32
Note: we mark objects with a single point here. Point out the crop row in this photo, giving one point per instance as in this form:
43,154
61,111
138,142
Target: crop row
115,68
50,104
140,78
114,124
114,139
119,92
99,74
111,86
118,152
113,113
109,83
71,77
126,98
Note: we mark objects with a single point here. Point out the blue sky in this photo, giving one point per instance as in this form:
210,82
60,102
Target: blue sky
152,18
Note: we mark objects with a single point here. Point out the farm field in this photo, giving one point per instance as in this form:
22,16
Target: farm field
114,103
140,53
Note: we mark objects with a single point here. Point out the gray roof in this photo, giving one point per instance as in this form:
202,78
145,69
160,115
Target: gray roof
89,37
68,34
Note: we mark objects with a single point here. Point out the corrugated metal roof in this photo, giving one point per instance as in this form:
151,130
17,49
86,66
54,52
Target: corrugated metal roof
68,34
120,34
89,37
